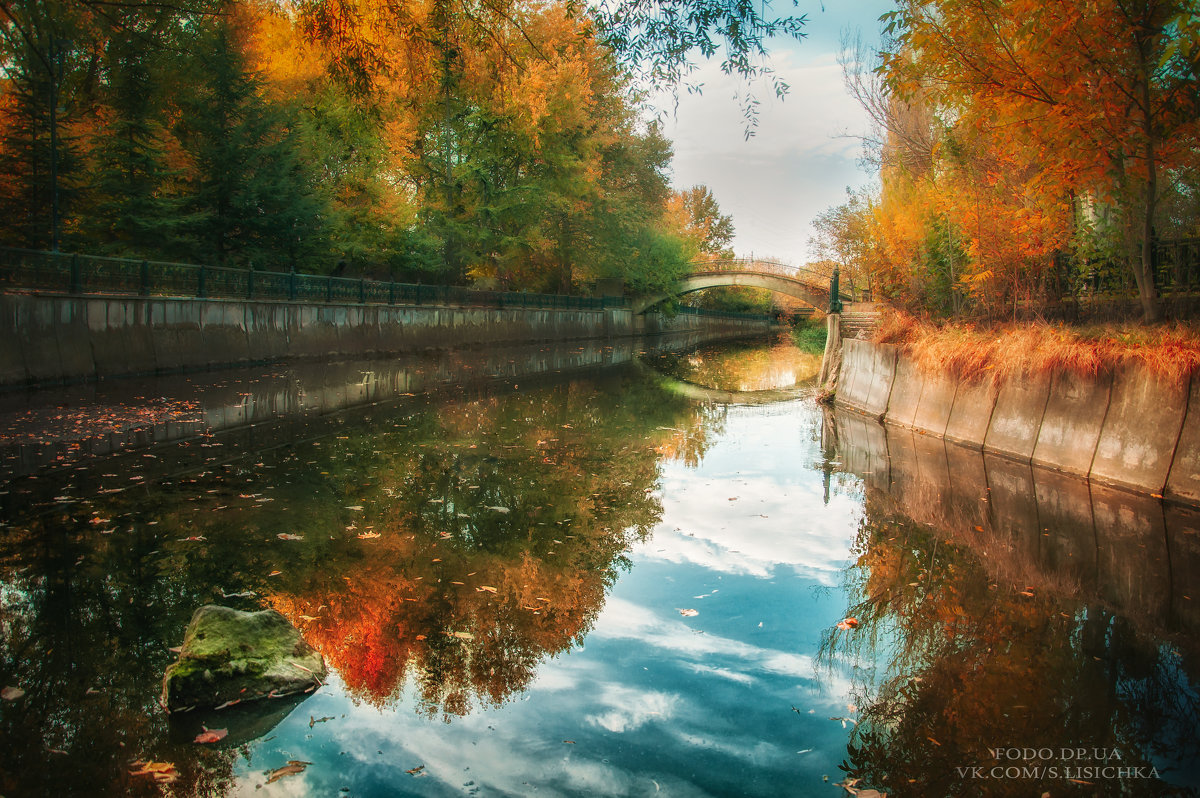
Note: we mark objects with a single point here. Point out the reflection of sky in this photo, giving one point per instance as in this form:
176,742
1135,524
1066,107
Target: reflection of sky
730,701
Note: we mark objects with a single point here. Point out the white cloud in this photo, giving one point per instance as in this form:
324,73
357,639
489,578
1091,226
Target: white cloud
803,155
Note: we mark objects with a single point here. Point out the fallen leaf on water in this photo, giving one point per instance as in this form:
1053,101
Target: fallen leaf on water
569,742
291,768
485,589
848,623
354,506
463,635
211,735
228,703
163,772
415,771
689,613
289,536
502,510
11,693
309,618
420,637
312,721
368,535
275,573
1028,593
935,742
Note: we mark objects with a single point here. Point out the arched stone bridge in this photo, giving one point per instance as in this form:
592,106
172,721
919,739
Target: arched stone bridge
805,285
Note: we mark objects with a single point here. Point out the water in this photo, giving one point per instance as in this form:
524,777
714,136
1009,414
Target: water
581,571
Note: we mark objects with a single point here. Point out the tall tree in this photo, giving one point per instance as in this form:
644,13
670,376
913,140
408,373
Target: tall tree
247,193
1097,98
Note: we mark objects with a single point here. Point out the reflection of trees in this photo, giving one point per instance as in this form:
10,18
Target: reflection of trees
501,526
745,366
953,664
94,590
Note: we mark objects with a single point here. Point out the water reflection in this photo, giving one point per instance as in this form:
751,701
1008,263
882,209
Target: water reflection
450,546
736,370
1014,608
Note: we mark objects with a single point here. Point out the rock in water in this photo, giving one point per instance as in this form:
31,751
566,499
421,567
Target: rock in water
231,656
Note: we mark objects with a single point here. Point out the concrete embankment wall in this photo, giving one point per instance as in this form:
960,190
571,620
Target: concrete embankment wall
1131,429
51,339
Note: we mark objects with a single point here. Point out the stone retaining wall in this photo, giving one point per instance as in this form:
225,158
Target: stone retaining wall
1131,429
55,339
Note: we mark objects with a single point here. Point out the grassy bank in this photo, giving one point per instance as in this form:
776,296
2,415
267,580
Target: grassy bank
973,351
810,336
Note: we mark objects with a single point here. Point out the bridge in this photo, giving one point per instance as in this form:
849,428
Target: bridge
808,286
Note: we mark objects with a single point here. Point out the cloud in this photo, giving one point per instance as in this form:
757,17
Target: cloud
805,150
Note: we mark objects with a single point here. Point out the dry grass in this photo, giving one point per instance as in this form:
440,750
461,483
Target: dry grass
974,352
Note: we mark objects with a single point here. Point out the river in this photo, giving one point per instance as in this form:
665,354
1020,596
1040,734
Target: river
588,570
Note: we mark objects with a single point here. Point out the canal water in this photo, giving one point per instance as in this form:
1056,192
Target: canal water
581,571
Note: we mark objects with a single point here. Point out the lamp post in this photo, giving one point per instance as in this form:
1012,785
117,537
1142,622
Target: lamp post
835,302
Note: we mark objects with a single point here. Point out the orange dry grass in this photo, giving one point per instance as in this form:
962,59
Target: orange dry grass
973,352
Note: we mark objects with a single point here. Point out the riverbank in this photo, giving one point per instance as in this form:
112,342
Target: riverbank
1119,412
62,339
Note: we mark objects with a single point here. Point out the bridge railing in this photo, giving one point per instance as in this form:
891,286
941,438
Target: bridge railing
33,270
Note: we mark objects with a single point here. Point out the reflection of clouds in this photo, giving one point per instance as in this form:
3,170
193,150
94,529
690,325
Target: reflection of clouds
701,525
630,708
624,619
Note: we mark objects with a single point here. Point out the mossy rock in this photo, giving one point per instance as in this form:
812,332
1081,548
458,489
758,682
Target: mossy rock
233,656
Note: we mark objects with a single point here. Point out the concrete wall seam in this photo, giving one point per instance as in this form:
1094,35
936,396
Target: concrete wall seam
1133,429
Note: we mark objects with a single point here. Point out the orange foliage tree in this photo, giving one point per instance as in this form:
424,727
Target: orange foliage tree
1063,101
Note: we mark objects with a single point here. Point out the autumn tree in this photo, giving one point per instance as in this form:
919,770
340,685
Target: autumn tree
696,214
1098,100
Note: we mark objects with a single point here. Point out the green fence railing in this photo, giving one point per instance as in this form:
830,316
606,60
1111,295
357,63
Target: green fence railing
34,270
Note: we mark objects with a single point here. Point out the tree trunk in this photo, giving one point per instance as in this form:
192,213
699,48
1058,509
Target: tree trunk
1144,270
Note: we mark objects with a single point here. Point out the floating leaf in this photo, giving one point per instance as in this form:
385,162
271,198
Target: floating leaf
463,635
162,772
289,536
485,589
501,510
293,767
11,693
211,735
689,613
368,535
415,771
354,507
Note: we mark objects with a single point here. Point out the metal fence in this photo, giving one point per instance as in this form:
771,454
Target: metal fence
34,270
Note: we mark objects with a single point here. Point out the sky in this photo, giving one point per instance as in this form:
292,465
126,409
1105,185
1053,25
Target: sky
805,152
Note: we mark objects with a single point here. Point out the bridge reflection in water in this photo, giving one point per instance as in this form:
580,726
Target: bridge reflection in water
1136,554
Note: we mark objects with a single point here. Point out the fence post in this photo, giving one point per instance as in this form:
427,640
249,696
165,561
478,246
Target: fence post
329,288
76,283
292,284
362,292
144,288
392,292
200,287
250,282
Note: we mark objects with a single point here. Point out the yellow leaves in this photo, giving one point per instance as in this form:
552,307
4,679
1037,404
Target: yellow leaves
161,772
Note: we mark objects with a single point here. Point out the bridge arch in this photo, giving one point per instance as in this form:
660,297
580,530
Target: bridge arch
805,286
